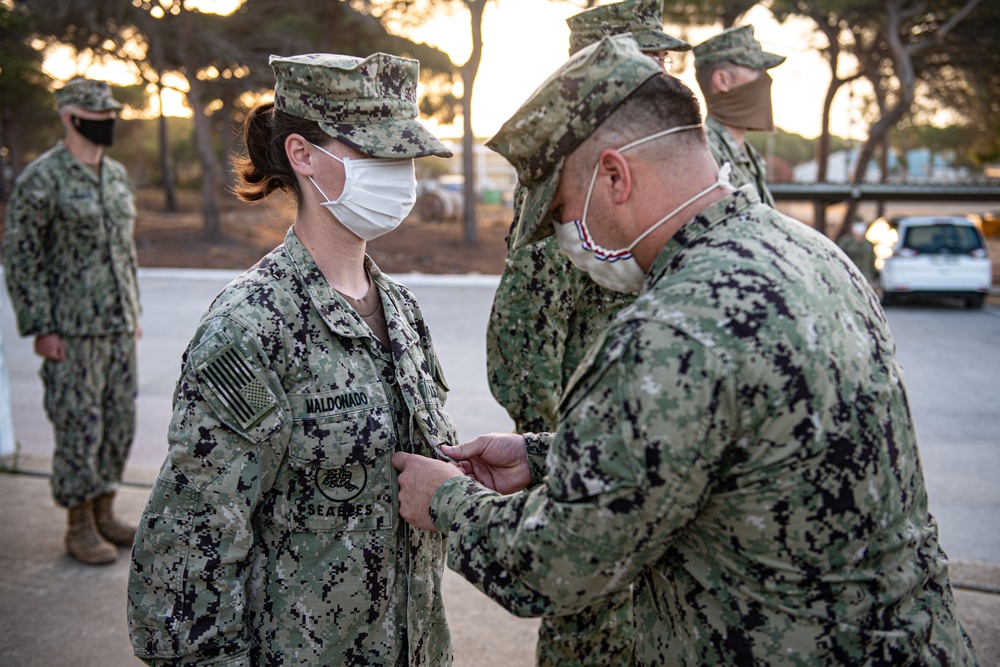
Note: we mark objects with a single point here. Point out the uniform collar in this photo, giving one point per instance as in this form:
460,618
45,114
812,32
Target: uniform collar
339,316
729,206
73,164
737,151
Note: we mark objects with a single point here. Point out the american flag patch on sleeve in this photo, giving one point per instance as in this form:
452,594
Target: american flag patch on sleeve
238,387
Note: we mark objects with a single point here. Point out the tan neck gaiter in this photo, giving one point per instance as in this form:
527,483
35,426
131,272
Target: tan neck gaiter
747,107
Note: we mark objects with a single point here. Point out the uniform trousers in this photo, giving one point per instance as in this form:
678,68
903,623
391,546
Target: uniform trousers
90,400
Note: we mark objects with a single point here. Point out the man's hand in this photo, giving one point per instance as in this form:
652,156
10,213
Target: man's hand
419,477
498,461
50,346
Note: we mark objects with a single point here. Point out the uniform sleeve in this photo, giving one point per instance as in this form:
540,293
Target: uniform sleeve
127,200
537,446
646,422
187,594
30,212
526,336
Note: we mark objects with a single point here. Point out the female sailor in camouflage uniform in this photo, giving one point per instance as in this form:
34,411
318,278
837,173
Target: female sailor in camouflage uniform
272,535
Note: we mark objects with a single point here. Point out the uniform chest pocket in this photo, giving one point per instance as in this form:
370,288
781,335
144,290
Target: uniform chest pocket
121,203
341,475
84,212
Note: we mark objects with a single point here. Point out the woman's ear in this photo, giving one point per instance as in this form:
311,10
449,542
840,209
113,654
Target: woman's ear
615,173
299,154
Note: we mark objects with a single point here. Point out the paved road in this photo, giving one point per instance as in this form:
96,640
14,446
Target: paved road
951,358
951,362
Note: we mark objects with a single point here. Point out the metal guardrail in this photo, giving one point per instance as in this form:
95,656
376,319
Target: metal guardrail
833,193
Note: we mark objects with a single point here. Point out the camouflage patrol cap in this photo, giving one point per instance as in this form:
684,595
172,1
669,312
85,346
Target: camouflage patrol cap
86,94
368,103
735,45
560,115
642,18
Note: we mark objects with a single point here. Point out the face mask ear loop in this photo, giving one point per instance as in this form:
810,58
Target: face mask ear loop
340,160
721,181
679,128
323,150
593,179
318,188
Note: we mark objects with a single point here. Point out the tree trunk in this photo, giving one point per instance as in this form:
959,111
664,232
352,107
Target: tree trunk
5,136
211,223
832,31
902,56
823,148
883,168
166,171
10,133
228,134
469,70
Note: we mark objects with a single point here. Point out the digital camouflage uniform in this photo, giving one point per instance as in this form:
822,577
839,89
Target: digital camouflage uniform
737,445
545,314
736,45
272,535
70,263
861,252
748,167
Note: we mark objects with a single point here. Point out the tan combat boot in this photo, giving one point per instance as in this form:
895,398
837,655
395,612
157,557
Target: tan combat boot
82,539
108,525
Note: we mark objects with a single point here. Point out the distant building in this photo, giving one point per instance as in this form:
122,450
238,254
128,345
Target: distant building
921,166
493,172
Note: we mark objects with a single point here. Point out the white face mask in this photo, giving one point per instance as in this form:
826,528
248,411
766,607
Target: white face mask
618,270
378,194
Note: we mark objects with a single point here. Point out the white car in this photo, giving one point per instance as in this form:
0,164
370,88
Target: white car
932,256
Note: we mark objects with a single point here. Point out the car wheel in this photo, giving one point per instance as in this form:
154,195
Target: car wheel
974,302
887,299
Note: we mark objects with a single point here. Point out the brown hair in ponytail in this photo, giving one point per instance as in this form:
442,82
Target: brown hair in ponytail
265,168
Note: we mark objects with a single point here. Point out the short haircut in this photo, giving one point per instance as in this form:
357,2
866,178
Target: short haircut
661,103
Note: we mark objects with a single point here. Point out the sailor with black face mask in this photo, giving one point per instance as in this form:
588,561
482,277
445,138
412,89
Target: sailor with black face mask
70,264
731,69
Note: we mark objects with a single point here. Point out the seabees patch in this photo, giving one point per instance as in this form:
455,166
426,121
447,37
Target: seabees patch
342,484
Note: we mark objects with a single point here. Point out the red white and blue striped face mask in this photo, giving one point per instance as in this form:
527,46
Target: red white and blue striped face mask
617,269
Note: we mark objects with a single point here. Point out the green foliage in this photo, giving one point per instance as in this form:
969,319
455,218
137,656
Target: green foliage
705,13
187,41
962,75
28,123
962,141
